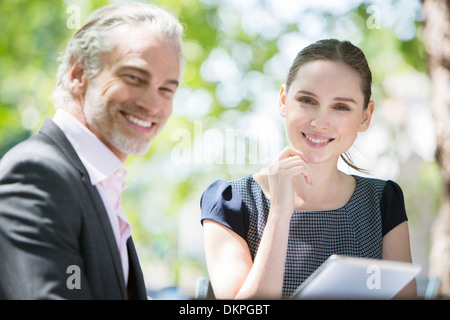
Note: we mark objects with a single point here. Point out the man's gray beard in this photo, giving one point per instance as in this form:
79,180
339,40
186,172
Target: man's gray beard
128,145
96,115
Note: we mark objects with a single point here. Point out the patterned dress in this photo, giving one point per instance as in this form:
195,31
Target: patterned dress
356,229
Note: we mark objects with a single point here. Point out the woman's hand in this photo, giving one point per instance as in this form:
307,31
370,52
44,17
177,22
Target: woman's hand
234,272
281,173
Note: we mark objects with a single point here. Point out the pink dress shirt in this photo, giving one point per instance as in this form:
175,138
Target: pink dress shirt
106,173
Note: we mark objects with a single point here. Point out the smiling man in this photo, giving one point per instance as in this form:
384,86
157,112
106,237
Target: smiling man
63,233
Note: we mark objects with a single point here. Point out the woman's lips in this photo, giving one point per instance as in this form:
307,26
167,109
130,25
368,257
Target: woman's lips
316,140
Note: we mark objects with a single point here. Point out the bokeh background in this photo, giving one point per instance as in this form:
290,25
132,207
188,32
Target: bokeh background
225,122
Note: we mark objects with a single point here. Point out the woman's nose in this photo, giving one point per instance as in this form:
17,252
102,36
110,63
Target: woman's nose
320,119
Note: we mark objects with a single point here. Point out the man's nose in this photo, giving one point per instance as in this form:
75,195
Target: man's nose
150,101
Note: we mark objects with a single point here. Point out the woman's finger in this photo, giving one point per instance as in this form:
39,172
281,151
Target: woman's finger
279,166
290,152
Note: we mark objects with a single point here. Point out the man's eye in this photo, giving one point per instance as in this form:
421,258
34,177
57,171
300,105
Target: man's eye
168,92
133,79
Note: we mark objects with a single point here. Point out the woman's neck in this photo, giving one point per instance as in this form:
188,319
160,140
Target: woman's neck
332,189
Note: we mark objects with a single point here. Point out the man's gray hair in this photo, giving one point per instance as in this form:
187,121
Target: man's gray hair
92,40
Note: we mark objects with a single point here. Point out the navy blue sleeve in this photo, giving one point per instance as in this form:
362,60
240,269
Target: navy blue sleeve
393,210
222,204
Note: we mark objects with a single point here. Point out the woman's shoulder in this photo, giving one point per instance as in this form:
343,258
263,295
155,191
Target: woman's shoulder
370,181
232,193
218,188
391,201
223,203
383,185
243,184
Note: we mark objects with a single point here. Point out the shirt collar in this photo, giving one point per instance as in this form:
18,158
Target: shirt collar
99,160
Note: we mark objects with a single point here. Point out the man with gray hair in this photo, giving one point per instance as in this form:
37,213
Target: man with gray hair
63,233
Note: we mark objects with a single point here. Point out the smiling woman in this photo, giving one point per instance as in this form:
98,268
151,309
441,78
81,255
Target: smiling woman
324,113
348,55
267,232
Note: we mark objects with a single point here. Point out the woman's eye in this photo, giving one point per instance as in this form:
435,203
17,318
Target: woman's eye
306,100
342,108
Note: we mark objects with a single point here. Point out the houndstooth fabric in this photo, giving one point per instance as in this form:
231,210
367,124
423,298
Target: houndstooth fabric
353,230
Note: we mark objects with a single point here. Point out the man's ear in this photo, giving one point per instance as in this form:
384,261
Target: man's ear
367,117
282,101
77,79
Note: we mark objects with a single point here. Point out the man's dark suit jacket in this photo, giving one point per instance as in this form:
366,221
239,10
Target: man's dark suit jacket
51,219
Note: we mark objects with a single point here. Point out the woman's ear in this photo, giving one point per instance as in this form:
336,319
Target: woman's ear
282,101
77,80
367,117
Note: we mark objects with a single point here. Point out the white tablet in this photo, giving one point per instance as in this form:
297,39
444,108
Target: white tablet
342,277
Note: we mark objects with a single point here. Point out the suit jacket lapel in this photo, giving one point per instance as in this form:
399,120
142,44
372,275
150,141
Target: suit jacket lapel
136,286
55,134
102,215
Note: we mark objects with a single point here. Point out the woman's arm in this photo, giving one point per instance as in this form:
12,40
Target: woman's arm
232,271
396,247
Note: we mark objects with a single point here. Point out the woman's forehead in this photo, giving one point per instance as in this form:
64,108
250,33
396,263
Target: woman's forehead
325,77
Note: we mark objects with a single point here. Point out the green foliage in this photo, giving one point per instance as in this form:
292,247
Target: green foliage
29,42
163,195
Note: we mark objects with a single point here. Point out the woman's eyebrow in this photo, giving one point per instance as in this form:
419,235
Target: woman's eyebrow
307,92
345,99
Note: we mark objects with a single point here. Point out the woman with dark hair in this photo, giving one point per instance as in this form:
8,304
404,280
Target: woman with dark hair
267,232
